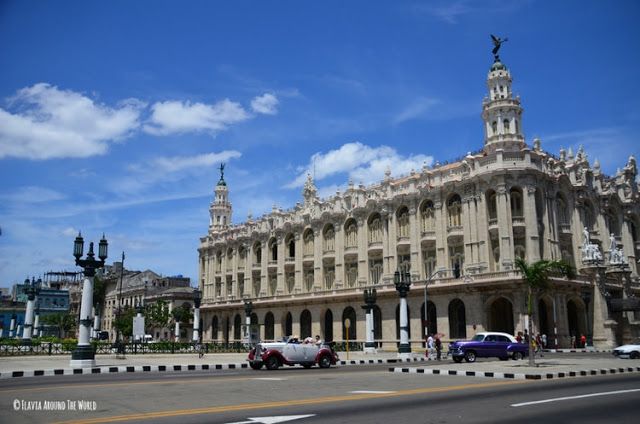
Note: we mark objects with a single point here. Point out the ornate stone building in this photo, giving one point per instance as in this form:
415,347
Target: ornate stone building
304,269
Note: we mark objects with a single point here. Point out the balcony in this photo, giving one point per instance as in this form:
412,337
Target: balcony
455,230
517,221
565,228
493,224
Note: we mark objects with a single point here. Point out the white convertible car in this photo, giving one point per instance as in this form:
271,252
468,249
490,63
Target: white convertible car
631,351
292,352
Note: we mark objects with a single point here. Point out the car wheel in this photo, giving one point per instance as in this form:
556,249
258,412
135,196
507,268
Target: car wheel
272,363
634,355
517,356
255,365
325,361
470,356
457,359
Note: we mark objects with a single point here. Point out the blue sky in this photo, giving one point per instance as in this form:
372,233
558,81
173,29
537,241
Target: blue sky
114,116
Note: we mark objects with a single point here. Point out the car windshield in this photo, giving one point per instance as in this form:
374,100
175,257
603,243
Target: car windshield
478,338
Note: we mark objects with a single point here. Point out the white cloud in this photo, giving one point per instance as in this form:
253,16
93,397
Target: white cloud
418,108
52,123
178,117
179,163
32,194
267,104
360,162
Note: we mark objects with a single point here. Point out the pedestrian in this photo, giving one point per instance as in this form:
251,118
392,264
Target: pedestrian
573,341
519,337
438,347
430,347
583,341
526,336
544,341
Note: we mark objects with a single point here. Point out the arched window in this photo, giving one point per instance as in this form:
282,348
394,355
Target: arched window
457,320
494,127
454,207
492,207
269,326
506,125
375,229
273,249
501,316
515,195
432,317
257,254
288,324
237,327
351,233
350,314
563,212
328,326
305,324
329,239
588,216
291,246
214,328
428,216
403,222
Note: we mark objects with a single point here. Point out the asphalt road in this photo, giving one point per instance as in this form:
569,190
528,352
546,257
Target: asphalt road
350,394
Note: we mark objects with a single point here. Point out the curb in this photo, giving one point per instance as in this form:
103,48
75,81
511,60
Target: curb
173,368
514,376
577,350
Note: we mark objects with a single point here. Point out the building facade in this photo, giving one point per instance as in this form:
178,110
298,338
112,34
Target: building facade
456,228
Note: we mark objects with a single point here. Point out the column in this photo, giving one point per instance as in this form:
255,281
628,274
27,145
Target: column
28,319
280,270
389,245
339,255
531,224
83,356
317,259
442,253
468,239
264,274
363,252
484,242
504,227
414,240
298,274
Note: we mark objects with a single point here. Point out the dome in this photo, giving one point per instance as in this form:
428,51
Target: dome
498,66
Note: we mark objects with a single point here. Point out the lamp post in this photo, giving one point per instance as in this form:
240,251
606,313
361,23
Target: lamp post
369,301
36,320
426,310
14,319
248,307
31,289
402,280
197,297
586,298
84,355
119,346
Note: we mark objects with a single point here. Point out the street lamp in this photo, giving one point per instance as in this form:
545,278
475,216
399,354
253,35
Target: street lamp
248,307
31,289
119,346
402,280
426,310
369,300
197,298
84,355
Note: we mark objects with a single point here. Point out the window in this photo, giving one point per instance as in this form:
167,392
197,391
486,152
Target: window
375,229
403,223
308,243
494,127
329,239
506,125
428,217
351,234
375,267
454,207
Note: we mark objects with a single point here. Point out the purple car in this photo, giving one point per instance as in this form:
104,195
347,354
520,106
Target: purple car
488,345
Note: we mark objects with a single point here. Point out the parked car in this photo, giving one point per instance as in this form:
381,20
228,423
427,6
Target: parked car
488,345
291,352
631,351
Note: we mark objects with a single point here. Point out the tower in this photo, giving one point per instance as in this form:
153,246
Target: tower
501,112
220,209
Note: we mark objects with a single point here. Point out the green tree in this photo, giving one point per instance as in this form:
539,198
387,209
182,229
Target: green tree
157,315
63,321
124,323
537,278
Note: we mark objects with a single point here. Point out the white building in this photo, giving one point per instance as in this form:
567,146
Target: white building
305,268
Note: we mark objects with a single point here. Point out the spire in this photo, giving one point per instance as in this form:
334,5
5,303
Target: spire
220,209
501,112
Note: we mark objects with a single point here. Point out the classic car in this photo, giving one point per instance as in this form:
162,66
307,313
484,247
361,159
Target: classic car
631,351
291,352
487,345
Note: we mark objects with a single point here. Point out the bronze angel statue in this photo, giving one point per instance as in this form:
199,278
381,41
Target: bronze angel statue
497,42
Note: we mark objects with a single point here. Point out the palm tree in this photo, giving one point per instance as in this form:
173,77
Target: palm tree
536,277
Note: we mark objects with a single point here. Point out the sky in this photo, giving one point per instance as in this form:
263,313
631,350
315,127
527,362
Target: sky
115,116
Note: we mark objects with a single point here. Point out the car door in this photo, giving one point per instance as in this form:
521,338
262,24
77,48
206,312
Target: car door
501,346
488,346
293,352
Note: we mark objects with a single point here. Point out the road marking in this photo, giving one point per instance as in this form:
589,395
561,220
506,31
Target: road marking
269,378
617,392
274,420
278,404
372,391
194,375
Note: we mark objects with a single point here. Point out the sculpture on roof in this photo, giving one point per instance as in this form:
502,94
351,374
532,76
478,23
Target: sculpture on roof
497,42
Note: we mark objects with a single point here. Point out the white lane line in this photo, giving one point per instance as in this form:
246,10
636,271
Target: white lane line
186,375
269,378
617,392
371,391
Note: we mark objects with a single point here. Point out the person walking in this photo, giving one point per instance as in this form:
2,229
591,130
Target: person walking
583,341
544,341
438,347
430,346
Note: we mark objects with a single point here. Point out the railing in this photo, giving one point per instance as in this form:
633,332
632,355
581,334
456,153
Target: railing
66,348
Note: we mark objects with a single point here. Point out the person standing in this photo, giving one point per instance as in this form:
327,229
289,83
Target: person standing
544,341
438,347
583,341
430,347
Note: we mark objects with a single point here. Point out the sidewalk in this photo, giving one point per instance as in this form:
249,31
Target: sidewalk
34,366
